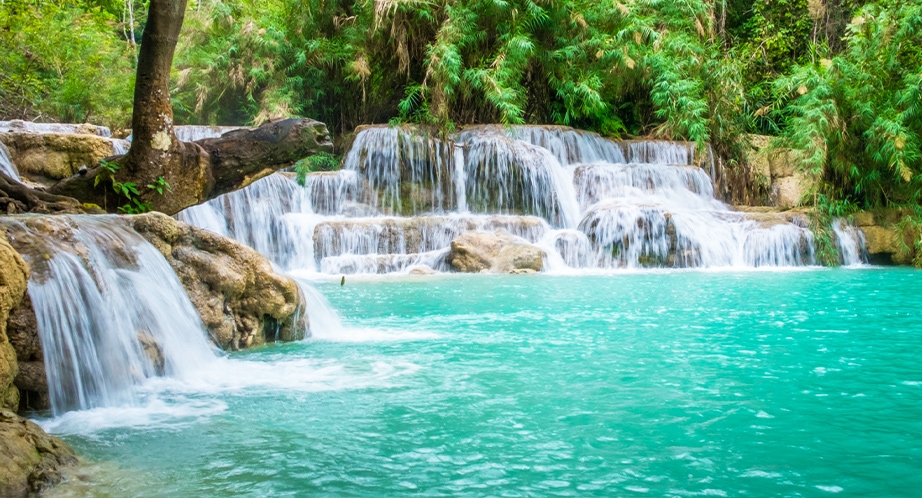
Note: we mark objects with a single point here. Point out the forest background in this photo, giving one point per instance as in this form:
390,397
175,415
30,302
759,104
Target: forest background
839,82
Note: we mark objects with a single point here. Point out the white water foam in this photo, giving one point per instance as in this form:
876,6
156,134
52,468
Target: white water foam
405,193
850,242
19,126
102,296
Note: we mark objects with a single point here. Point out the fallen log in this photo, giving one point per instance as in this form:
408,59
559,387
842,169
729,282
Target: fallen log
201,170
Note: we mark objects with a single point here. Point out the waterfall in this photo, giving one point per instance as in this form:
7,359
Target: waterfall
191,133
850,243
18,126
119,146
6,164
260,216
504,175
110,310
589,202
391,244
406,172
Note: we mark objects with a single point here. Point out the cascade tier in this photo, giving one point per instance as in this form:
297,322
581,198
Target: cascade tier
588,202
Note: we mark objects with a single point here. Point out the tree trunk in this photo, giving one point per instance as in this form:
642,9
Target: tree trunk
193,171
218,166
152,116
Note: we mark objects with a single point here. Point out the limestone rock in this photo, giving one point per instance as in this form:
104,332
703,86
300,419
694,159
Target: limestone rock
789,191
880,240
241,299
13,278
497,252
46,158
152,349
421,270
777,169
768,217
31,459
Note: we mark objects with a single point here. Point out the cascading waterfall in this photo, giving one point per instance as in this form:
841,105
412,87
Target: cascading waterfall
191,133
589,202
261,217
59,128
119,146
503,175
393,244
6,164
405,172
850,242
110,310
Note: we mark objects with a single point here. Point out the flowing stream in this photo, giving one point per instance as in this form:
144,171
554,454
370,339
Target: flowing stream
591,203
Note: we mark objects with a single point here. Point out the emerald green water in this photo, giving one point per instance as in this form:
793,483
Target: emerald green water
797,383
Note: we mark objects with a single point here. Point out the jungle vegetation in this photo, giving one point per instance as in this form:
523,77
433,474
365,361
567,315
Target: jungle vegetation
838,81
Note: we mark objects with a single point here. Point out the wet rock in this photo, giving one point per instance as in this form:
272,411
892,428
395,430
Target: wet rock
153,350
883,237
241,299
46,158
13,278
421,270
31,459
768,217
497,252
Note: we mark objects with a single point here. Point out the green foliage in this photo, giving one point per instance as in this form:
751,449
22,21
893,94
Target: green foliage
322,161
128,190
856,117
159,185
909,229
839,82
64,61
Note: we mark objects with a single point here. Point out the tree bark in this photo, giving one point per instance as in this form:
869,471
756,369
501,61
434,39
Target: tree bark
220,165
18,198
194,171
153,140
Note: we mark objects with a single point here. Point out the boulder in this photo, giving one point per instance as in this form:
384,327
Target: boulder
422,270
880,240
497,252
31,459
788,191
241,299
46,158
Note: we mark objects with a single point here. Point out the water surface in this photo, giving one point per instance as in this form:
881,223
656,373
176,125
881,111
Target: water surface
795,383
